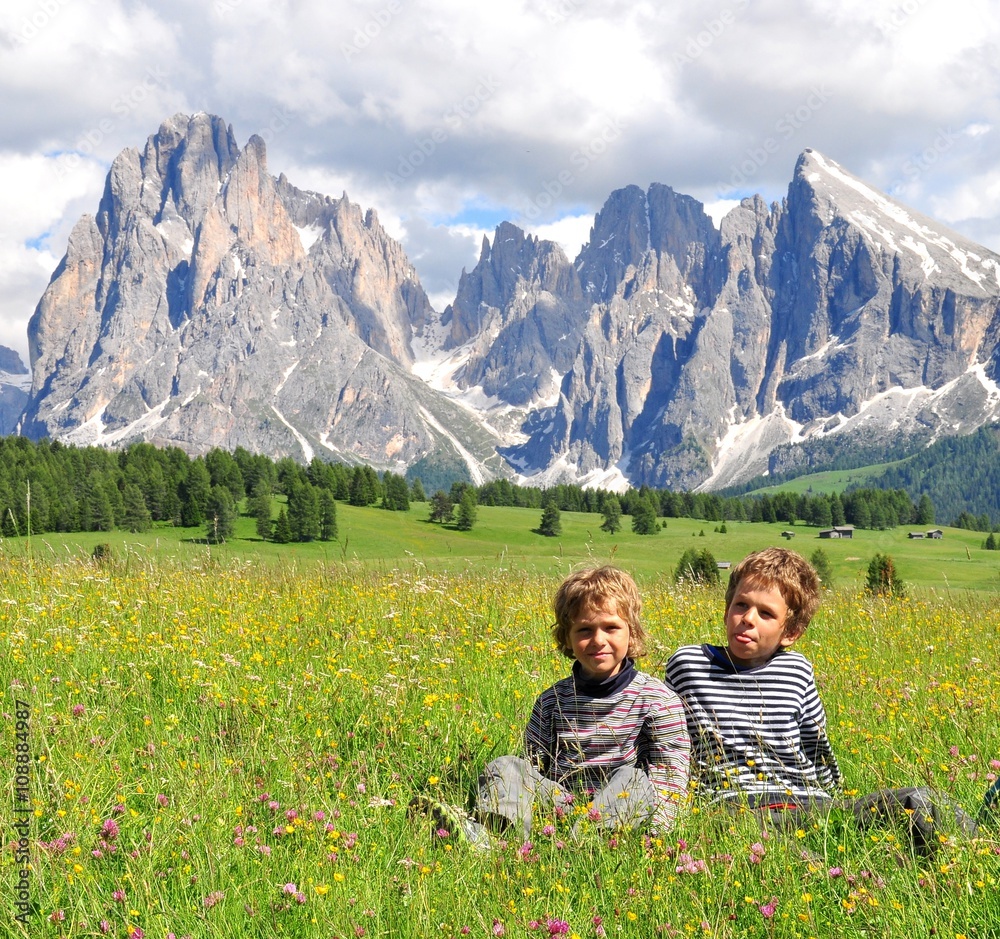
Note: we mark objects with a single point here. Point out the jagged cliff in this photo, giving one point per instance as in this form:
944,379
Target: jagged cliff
695,351
210,304
15,380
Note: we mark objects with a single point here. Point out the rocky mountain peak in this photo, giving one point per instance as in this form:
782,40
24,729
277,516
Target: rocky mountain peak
209,304
183,166
891,227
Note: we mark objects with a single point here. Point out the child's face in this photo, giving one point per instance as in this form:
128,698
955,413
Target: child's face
599,640
755,624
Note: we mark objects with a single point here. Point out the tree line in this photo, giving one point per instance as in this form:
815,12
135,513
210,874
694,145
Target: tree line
47,486
961,474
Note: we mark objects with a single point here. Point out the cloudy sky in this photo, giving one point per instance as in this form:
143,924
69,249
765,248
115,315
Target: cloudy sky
448,116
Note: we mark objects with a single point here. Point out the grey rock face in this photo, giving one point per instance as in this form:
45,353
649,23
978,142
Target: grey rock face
14,383
521,308
837,311
209,304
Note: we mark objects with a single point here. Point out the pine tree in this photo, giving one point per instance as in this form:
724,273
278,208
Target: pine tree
551,522
837,515
136,517
644,518
374,486
223,470
466,510
925,511
441,507
417,493
194,494
259,508
220,522
303,512
395,493
362,492
612,513
327,516
100,511
820,512
824,570
697,567
883,579
282,531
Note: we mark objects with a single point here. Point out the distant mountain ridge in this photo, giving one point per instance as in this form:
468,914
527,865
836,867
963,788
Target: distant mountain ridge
210,304
15,380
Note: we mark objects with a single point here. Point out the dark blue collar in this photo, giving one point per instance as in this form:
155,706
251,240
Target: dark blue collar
604,687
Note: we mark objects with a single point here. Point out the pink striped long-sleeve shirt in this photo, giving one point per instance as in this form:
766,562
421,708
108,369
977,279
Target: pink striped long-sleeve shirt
579,740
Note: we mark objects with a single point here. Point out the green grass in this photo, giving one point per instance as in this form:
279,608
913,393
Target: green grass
255,732
503,539
828,480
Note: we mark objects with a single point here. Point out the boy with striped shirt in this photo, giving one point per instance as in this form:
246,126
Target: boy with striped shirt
608,734
757,725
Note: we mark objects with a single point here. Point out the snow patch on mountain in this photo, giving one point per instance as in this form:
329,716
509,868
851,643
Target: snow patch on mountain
94,433
479,477
921,235
307,451
743,451
309,235
564,471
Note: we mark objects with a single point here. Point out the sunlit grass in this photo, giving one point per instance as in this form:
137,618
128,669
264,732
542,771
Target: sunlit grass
228,749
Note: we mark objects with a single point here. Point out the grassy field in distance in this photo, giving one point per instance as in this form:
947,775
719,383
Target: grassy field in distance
504,538
827,481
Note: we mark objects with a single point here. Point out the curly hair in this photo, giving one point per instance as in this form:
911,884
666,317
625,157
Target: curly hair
598,587
790,573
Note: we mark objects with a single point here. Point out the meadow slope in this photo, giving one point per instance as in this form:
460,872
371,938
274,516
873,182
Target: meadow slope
227,747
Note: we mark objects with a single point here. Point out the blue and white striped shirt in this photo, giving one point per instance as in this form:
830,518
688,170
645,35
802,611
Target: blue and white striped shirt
757,731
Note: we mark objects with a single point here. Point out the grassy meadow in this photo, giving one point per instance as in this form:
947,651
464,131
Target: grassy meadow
223,741
505,537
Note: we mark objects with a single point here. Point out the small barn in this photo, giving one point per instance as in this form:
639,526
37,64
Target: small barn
915,534
935,533
838,531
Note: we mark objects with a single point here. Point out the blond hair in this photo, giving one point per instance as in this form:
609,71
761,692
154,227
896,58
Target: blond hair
597,587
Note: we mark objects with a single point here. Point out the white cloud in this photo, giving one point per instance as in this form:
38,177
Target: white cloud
571,233
447,116
37,215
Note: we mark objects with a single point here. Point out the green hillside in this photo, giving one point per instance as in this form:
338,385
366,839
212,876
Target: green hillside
826,481
503,538
959,474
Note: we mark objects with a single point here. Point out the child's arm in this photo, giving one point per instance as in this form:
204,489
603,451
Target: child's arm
539,742
669,756
815,743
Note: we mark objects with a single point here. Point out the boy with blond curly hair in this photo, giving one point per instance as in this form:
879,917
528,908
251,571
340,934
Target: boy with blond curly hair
607,733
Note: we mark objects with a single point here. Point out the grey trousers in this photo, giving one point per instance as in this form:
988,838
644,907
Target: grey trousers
510,787
925,814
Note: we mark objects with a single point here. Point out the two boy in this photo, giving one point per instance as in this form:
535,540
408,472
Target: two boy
751,716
